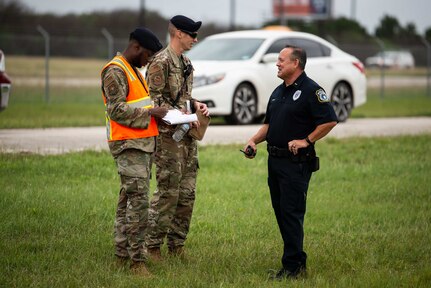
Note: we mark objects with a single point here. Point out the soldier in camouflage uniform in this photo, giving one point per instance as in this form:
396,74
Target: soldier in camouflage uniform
170,79
131,131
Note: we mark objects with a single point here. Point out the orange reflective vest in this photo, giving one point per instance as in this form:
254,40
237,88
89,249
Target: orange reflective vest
138,97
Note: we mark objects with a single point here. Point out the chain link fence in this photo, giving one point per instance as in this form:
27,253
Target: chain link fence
61,46
99,47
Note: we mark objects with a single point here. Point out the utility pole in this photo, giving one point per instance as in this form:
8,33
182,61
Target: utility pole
283,18
232,15
353,9
142,13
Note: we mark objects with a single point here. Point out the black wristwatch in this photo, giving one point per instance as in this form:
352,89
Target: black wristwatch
308,141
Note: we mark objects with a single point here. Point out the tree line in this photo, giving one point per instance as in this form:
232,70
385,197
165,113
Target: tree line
19,20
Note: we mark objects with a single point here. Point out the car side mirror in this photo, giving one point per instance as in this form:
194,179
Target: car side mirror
270,58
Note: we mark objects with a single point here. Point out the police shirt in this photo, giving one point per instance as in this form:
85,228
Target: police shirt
293,112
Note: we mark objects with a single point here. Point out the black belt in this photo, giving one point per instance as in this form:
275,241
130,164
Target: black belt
285,153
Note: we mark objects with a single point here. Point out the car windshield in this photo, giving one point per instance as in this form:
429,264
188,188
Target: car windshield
227,49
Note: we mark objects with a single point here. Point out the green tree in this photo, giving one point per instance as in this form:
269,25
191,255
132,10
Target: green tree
428,34
389,28
341,28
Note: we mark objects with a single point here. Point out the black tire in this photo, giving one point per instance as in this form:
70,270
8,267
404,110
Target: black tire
342,101
244,105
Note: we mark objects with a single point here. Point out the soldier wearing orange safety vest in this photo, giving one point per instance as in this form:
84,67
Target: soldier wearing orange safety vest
131,130
137,97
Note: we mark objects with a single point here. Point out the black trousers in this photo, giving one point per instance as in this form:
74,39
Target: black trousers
288,184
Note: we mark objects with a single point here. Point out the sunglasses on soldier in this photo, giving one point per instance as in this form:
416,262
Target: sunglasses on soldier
194,35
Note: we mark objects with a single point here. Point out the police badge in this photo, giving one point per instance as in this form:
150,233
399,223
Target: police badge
296,95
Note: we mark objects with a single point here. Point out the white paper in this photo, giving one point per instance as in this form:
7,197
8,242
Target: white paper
175,116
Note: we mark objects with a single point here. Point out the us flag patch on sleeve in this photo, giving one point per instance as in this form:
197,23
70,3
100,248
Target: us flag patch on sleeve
321,96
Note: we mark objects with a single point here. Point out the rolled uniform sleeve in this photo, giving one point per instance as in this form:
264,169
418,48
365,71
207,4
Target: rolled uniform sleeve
115,88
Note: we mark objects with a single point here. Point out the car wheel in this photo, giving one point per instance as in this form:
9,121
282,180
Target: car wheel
244,105
342,101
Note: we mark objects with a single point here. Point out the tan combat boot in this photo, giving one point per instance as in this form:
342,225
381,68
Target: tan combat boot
154,254
140,269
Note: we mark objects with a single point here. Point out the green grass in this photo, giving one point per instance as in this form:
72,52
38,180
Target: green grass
396,102
59,67
68,107
367,222
418,71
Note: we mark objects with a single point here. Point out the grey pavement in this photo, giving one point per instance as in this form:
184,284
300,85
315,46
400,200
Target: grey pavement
63,140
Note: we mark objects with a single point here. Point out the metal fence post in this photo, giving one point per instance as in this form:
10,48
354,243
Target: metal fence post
47,48
110,40
382,67
283,18
428,47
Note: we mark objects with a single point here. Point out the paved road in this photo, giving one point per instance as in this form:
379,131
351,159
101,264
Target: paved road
63,140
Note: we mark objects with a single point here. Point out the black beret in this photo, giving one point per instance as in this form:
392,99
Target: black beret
146,39
183,23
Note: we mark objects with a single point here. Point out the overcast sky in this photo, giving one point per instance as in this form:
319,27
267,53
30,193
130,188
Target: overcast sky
250,12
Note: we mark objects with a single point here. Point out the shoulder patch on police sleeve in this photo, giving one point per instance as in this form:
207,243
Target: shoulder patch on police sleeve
321,96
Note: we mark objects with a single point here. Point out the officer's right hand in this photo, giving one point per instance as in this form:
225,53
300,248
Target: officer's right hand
249,145
158,112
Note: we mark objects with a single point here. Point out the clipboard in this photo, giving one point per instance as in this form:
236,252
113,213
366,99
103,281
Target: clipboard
204,121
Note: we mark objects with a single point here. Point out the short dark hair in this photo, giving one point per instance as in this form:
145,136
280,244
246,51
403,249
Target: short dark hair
298,53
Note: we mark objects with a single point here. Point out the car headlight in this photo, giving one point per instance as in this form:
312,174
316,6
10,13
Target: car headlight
207,80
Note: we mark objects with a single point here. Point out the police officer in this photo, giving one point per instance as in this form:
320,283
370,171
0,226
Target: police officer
298,114
170,79
131,131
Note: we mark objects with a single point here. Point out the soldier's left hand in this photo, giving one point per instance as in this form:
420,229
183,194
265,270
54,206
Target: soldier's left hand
203,108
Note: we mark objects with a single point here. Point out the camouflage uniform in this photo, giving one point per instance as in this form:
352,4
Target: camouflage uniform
133,158
176,162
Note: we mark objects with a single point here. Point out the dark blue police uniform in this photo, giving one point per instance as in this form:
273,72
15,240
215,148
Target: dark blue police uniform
293,112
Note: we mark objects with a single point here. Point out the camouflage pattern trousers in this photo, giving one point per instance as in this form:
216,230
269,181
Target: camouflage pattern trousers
132,210
172,204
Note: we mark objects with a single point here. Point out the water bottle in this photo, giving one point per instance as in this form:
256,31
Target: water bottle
183,128
181,131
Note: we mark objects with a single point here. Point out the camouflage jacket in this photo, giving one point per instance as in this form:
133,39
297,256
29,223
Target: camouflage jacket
165,78
115,88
